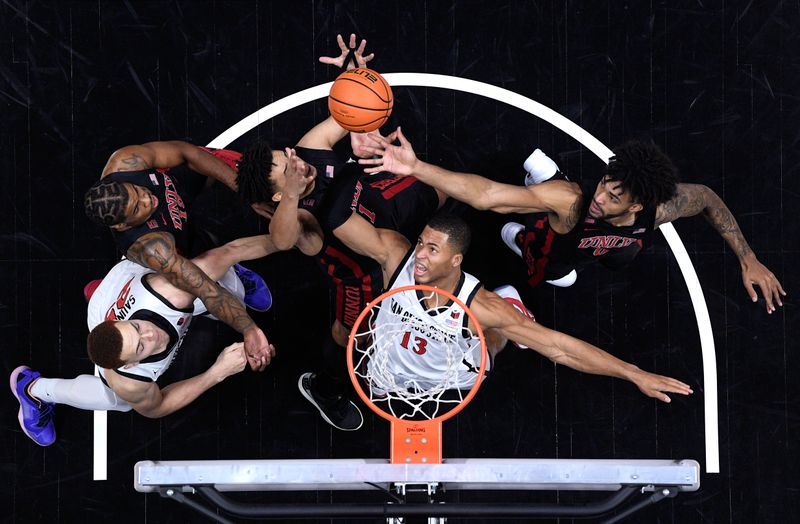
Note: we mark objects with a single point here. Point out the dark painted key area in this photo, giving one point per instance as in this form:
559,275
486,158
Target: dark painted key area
715,84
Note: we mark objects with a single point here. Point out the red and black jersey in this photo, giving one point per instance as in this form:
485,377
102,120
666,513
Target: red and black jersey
402,204
170,187
169,215
328,166
549,255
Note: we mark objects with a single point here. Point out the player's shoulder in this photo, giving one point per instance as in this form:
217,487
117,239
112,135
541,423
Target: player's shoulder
128,388
563,188
561,197
128,158
159,245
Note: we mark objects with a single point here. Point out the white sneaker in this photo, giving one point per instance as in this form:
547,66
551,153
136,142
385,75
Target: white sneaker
509,236
539,168
511,295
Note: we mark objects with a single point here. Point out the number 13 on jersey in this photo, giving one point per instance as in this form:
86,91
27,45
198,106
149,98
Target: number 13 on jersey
418,345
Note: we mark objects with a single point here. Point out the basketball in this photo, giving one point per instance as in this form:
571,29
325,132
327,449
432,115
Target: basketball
360,100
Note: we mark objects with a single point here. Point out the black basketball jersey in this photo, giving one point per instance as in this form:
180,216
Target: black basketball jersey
384,200
401,203
328,165
174,188
549,255
170,213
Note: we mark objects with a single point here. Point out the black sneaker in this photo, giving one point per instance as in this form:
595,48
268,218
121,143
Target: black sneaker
339,411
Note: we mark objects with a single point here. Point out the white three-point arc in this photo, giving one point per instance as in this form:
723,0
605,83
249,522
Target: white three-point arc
567,126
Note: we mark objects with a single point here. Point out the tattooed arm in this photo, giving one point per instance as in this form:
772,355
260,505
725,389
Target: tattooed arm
693,199
157,251
164,155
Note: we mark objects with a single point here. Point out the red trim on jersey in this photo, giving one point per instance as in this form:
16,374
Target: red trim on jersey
397,188
226,155
346,260
349,306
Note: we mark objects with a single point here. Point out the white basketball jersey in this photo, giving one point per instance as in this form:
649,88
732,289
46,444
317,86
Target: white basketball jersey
428,347
124,294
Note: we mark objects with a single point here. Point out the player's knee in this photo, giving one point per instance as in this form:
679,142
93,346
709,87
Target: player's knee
340,333
226,253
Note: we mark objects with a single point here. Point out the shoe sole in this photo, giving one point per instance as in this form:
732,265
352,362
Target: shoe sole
511,244
12,382
243,270
310,398
261,310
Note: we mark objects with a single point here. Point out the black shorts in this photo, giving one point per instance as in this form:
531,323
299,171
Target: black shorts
355,281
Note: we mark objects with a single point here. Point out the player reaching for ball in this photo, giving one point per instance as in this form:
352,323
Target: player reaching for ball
307,192
360,100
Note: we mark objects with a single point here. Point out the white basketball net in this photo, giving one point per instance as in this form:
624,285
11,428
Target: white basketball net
415,362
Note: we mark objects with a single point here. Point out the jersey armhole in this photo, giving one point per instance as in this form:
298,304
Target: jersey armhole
400,268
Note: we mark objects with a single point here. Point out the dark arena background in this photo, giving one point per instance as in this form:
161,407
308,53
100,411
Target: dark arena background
715,84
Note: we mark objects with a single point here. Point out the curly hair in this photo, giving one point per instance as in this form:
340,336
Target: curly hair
456,229
105,202
253,179
104,345
644,171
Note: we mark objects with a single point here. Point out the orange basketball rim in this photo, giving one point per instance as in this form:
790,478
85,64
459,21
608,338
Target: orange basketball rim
412,441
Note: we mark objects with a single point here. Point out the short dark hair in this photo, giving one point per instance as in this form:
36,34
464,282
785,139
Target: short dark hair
104,345
253,179
644,171
105,202
457,230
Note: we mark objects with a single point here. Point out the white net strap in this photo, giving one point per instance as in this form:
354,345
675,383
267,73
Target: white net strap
414,364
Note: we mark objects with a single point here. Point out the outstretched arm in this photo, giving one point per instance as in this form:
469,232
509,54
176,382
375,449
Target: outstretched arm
153,402
385,246
358,54
692,199
327,133
164,155
157,251
479,192
214,263
324,135
494,312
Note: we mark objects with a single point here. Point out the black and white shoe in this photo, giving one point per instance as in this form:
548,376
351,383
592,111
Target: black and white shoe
339,411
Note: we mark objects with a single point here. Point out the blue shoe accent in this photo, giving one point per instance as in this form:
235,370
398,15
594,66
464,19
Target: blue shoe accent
256,293
35,417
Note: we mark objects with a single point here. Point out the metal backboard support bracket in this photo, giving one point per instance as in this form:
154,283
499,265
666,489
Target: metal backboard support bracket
183,481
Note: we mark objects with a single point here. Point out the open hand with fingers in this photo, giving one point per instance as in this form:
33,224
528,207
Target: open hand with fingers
348,50
398,160
259,350
360,142
656,386
754,273
298,175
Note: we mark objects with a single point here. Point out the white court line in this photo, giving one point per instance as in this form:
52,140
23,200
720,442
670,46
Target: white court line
100,442
588,141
